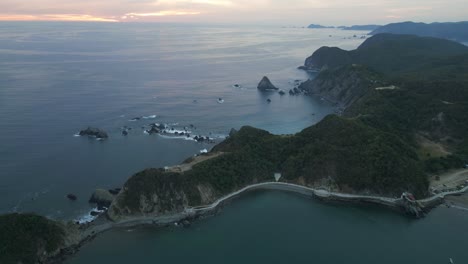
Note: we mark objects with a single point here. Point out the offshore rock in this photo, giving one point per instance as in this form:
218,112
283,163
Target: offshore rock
266,85
72,197
94,132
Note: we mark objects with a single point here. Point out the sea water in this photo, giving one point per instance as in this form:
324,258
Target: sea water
59,78
278,227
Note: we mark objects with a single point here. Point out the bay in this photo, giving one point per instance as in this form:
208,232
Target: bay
278,227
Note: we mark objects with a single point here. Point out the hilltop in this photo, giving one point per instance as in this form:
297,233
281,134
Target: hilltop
392,54
457,31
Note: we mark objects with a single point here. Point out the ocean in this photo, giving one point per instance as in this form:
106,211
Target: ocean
59,78
278,227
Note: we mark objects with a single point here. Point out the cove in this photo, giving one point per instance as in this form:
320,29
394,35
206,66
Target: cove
279,227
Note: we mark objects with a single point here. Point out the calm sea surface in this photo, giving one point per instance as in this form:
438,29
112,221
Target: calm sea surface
59,78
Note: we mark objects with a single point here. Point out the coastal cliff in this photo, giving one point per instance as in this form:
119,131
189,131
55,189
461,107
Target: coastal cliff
343,86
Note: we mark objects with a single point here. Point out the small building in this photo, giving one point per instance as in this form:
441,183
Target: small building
277,176
408,196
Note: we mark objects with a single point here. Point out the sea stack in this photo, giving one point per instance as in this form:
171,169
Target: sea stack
266,85
94,132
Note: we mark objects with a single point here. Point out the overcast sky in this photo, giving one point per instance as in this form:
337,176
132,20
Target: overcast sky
284,12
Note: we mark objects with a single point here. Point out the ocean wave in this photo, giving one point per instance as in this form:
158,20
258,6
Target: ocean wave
138,118
177,137
87,218
149,117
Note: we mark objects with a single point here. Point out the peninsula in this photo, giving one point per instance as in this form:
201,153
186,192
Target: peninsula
401,119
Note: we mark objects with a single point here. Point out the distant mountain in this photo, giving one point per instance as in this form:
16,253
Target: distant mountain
318,26
360,27
390,54
457,31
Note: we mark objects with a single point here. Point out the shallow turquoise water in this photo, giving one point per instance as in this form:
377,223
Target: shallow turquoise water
279,227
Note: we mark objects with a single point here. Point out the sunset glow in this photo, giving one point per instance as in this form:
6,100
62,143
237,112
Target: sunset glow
56,17
332,12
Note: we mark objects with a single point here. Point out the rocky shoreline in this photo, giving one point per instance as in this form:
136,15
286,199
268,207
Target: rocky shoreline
87,232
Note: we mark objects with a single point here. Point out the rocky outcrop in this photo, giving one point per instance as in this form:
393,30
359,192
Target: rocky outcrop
266,85
232,132
151,192
72,197
101,197
94,132
342,86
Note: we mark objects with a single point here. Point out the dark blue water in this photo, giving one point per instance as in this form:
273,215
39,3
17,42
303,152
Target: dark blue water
276,227
58,78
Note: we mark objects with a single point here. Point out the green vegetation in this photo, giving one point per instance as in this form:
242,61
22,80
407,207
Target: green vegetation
432,95
455,31
346,152
373,148
393,55
25,237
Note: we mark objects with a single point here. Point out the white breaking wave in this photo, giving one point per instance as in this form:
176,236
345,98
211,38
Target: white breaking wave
87,218
150,117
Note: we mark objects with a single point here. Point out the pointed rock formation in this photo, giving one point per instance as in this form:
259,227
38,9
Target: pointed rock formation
266,85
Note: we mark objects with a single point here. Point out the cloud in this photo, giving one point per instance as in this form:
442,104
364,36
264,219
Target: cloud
55,17
238,11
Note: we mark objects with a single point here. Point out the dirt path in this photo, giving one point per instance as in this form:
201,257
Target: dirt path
449,180
195,160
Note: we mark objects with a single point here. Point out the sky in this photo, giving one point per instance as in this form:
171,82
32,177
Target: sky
284,12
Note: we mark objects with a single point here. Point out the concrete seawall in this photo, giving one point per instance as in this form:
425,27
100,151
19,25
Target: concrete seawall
102,224
320,194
